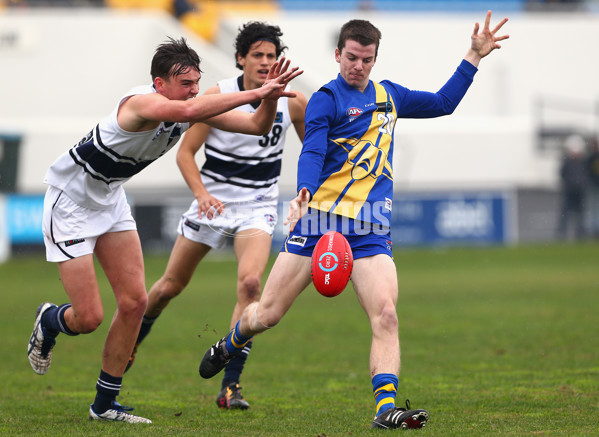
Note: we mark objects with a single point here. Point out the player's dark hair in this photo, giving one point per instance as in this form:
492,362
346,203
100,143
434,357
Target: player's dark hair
361,31
254,31
174,57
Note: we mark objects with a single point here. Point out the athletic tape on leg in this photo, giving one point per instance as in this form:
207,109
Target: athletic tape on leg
255,324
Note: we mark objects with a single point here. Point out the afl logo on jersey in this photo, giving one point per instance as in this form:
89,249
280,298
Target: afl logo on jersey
353,113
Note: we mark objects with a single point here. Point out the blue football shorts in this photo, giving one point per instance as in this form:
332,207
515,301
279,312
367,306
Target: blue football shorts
363,242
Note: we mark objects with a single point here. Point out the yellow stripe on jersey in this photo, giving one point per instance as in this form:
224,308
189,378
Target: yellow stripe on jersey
367,159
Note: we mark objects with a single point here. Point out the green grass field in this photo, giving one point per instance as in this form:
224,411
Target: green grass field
495,341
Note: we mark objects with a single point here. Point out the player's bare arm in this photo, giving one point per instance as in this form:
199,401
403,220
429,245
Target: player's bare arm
298,206
191,143
142,112
297,111
486,41
260,122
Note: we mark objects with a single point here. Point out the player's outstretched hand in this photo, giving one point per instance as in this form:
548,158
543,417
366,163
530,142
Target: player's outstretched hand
297,208
278,78
486,41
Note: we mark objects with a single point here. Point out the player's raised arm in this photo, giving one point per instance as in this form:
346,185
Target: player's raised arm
260,122
139,110
486,41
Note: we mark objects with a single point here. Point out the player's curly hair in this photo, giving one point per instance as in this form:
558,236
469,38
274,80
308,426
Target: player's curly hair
361,31
174,57
254,31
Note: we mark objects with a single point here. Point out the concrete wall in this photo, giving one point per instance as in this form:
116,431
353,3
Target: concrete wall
63,70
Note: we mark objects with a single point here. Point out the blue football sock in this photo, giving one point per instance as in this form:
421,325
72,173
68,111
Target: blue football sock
236,341
384,386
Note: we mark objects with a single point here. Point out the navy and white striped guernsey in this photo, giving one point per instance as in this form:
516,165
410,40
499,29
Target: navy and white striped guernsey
93,171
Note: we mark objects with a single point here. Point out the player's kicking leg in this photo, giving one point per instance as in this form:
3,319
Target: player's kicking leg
288,277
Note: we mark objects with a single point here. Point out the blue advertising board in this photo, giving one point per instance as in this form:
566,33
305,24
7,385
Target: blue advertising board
24,218
418,219
443,218
450,219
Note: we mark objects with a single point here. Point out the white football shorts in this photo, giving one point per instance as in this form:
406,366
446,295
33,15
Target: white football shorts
71,230
236,217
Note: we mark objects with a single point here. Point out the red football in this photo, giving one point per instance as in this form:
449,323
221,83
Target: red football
332,263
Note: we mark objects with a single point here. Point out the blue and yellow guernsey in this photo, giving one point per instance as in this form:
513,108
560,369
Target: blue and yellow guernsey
347,154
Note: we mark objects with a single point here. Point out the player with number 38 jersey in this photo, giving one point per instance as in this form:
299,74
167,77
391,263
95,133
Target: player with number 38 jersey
241,168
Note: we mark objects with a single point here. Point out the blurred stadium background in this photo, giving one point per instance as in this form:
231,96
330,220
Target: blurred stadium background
486,175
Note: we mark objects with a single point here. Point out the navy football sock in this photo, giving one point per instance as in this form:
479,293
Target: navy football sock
107,389
235,366
53,321
146,326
